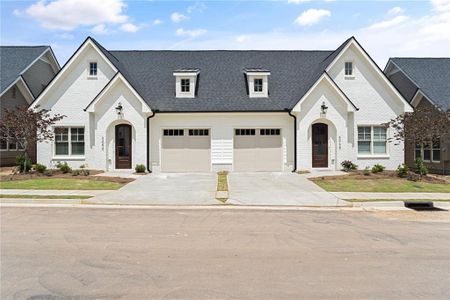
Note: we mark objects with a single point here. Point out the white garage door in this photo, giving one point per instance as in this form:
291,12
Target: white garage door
258,150
186,150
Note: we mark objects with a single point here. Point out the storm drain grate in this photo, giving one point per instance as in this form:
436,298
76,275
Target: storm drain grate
423,206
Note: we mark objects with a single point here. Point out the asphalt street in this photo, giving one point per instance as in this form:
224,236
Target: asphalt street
100,253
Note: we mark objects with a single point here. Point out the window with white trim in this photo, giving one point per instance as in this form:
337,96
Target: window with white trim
185,85
9,144
258,85
245,132
348,68
372,140
173,132
269,131
69,144
92,69
428,151
198,132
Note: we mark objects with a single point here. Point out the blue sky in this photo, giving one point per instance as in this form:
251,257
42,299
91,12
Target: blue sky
384,28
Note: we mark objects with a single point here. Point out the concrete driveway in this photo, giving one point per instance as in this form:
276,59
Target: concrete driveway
165,188
278,189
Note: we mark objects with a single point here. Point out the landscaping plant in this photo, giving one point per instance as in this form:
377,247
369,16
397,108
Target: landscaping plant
40,168
348,166
23,163
366,171
64,167
378,168
140,168
402,170
27,127
420,168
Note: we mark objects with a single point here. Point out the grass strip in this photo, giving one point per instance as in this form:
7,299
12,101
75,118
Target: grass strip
222,182
45,196
60,184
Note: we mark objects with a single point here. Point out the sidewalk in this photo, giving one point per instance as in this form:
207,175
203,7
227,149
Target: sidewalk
390,196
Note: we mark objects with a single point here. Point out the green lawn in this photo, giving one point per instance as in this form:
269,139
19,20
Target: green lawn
60,184
45,196
222,182
388,185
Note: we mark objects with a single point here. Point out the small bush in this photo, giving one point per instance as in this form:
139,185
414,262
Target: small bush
48,173
23,163
413,176
378,168
366,171
40,168
347,166
85,172
64,167
402,170
139,168
75,172
420,168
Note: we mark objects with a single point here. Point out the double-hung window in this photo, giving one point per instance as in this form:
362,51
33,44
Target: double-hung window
92,69
258,85
69,141
9,144
348,68
185,85
372,140
428,151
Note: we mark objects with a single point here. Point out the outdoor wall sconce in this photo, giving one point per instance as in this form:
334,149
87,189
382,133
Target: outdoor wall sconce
323,108
119,109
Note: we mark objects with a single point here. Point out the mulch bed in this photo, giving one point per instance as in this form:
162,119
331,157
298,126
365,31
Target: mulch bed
59,174
359,175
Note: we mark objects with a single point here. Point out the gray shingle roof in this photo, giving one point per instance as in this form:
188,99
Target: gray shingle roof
221,81
14,59
430,75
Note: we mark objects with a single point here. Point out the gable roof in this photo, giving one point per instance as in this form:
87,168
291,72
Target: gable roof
15,60
430,75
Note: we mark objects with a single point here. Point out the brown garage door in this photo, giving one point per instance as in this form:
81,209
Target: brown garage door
186,150
257,150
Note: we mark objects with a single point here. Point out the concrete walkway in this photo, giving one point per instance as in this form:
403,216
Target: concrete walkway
278,189
390,196
163,189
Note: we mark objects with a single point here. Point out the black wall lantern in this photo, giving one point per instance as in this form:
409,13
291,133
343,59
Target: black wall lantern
119,109
323,108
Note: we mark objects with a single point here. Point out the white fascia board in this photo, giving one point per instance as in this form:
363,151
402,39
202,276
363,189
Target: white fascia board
91,107
185,74
64,69
326,77
257,73
28,95
407,106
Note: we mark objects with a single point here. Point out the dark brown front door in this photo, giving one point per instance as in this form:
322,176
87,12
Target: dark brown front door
123,146
320,145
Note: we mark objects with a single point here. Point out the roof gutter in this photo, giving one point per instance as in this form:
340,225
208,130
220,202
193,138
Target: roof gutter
148,141
295,139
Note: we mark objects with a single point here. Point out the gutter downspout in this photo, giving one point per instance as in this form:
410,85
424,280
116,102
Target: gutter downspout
295,139
148,141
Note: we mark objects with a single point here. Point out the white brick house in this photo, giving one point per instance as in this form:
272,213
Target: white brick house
200,111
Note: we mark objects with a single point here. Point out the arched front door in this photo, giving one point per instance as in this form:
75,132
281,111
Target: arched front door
123,146
320,145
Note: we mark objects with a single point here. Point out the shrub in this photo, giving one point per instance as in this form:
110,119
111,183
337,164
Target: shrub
378,168
139,168
48,173
420,168
85,172
75,172
402,170
23,163
347,166
413,176
40,168
366,171
64,167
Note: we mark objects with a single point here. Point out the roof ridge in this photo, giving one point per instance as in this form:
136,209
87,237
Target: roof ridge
220,50
418,57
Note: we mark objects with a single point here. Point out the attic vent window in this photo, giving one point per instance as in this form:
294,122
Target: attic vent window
257,82
348,68
258,85
185,85
92,69
186,81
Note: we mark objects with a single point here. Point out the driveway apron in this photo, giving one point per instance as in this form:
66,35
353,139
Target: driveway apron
165,188
278,189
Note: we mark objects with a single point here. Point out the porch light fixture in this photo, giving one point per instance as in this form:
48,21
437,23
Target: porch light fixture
119,109
323,108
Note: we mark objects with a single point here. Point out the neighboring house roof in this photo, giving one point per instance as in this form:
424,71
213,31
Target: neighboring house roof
15,60
430,75
221,82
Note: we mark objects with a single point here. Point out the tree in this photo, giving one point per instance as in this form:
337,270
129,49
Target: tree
425,124
27,126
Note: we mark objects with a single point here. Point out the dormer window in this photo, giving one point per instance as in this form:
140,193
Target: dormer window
257,82
185,82
185,85
258,85
348,68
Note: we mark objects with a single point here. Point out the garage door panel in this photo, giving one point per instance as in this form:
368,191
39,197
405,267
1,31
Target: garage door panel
186,153
257,152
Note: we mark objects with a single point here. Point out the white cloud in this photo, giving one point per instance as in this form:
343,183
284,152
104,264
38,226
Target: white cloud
441,5
241,38
190,33
312,16
156,22
177,17
70,14
297,1
65,36
196,7
100,29
17,12
129,27
389,23
395,11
